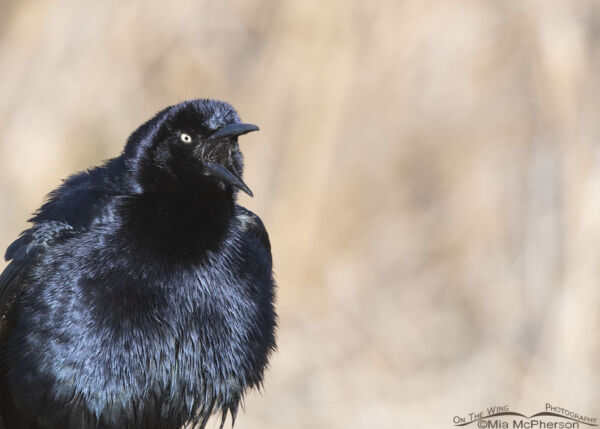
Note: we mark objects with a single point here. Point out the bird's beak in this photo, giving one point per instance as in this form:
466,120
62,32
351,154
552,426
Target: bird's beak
233,130
219,171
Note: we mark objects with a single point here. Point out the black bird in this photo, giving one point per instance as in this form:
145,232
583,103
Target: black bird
142,296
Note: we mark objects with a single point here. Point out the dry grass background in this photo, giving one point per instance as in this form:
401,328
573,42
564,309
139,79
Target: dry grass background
429,172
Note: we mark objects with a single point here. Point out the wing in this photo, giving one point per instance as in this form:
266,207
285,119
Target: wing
81,201
254,227
75,206
24,252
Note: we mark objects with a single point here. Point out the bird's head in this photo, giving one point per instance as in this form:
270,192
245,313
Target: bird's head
194,140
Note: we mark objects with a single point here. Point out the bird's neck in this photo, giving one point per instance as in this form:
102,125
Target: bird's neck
182,222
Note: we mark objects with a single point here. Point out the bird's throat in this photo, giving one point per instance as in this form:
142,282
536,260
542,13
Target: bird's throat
185,223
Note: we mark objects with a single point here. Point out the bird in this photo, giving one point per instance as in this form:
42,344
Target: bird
143,294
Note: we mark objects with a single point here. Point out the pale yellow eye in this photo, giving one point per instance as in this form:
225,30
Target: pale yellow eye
186,138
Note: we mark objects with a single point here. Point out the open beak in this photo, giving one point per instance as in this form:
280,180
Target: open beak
219,171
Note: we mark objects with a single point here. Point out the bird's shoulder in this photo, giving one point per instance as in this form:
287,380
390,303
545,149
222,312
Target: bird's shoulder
252,226
83,200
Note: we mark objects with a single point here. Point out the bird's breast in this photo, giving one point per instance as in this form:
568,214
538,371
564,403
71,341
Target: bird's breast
120,325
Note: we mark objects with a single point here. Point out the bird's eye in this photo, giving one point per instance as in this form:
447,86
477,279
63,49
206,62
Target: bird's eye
186,138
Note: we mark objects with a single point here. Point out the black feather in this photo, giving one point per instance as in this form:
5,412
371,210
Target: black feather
142,296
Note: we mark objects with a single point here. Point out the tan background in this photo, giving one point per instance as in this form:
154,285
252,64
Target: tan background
429,172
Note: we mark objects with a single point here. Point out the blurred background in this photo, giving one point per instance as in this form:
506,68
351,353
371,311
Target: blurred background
429,173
